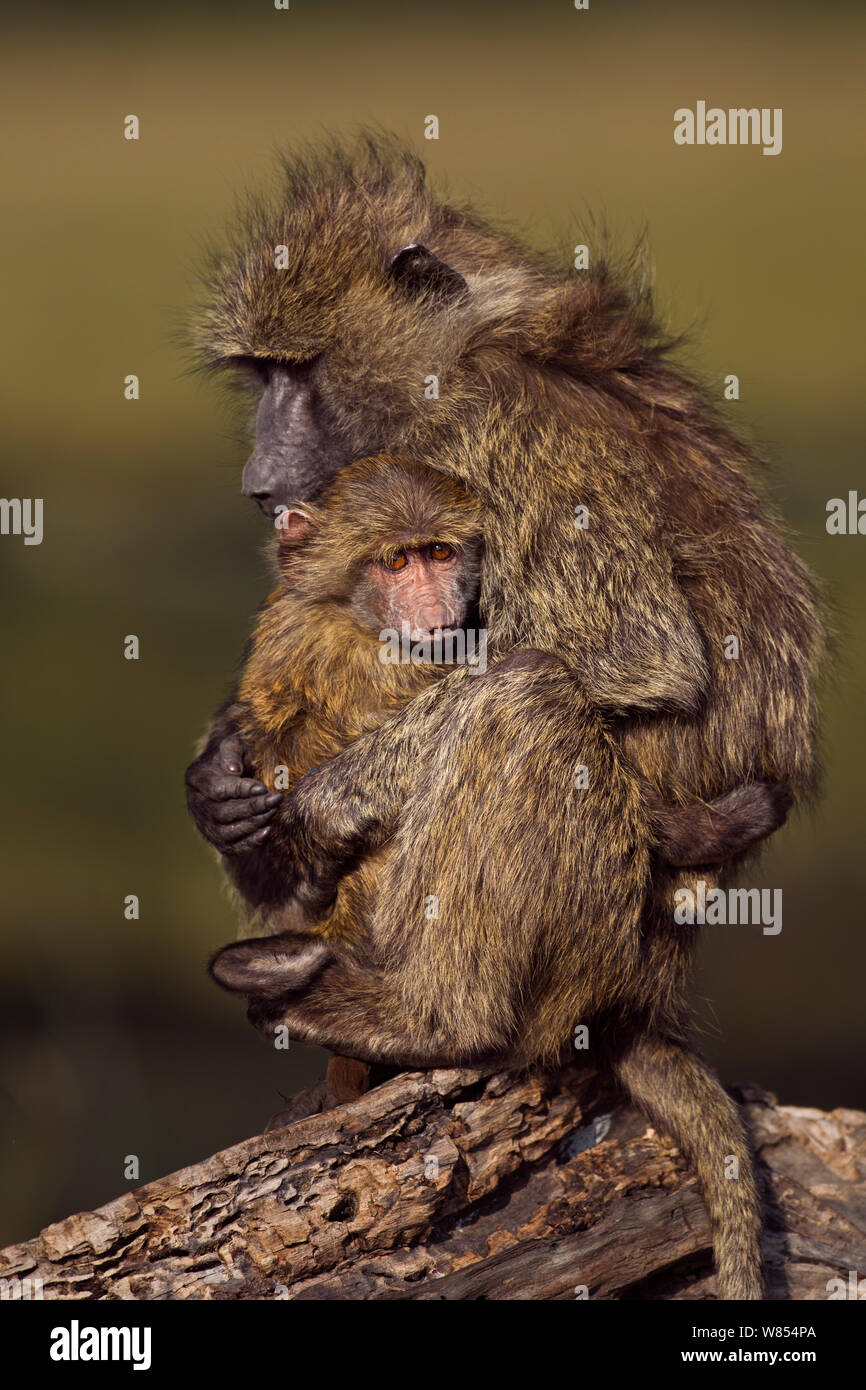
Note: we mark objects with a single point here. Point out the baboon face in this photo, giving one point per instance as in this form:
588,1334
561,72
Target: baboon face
298,445
396,543
301,439
422,588
350,308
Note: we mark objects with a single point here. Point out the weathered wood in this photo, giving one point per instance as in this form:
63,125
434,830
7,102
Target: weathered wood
461,1185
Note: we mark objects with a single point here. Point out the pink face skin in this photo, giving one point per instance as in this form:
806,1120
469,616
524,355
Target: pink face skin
420,587
428,587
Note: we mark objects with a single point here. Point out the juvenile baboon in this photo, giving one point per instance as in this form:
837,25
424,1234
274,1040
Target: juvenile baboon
390,547
402,324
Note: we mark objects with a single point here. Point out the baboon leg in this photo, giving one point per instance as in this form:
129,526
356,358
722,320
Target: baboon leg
357,1011
350,805
499,864
347,1078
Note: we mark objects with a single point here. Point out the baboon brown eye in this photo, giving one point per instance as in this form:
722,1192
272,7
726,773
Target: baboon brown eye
440,551
397,561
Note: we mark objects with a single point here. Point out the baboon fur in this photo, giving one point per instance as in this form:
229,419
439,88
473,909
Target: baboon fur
313,680
556,390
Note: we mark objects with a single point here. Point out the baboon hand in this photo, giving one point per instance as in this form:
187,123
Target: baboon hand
231,811
326,838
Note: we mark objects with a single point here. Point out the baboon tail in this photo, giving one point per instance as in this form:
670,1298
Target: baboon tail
681,1095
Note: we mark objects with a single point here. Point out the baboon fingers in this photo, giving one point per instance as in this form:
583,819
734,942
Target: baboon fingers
230,812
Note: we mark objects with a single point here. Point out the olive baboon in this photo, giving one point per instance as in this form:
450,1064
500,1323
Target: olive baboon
394,322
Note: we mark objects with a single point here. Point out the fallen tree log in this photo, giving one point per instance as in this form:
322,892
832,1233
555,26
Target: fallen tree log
463,1185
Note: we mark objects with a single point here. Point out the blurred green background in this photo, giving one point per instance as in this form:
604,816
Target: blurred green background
114,1041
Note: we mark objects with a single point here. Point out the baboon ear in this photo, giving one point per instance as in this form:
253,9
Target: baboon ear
416,271
295,525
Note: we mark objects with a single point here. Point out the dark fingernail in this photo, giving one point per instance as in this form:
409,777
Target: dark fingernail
262,834
257,789
234,767
274,799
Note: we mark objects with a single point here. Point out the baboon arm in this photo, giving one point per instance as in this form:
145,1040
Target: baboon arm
644,650
339,809
351,804
622,622
231,809
603,597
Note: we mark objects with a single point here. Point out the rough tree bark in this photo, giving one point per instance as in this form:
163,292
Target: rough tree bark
461,1185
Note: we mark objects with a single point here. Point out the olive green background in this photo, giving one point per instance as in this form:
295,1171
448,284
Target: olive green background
113,1040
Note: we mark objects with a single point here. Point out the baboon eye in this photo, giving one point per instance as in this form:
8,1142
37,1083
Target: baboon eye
397,561
439,550
416,271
